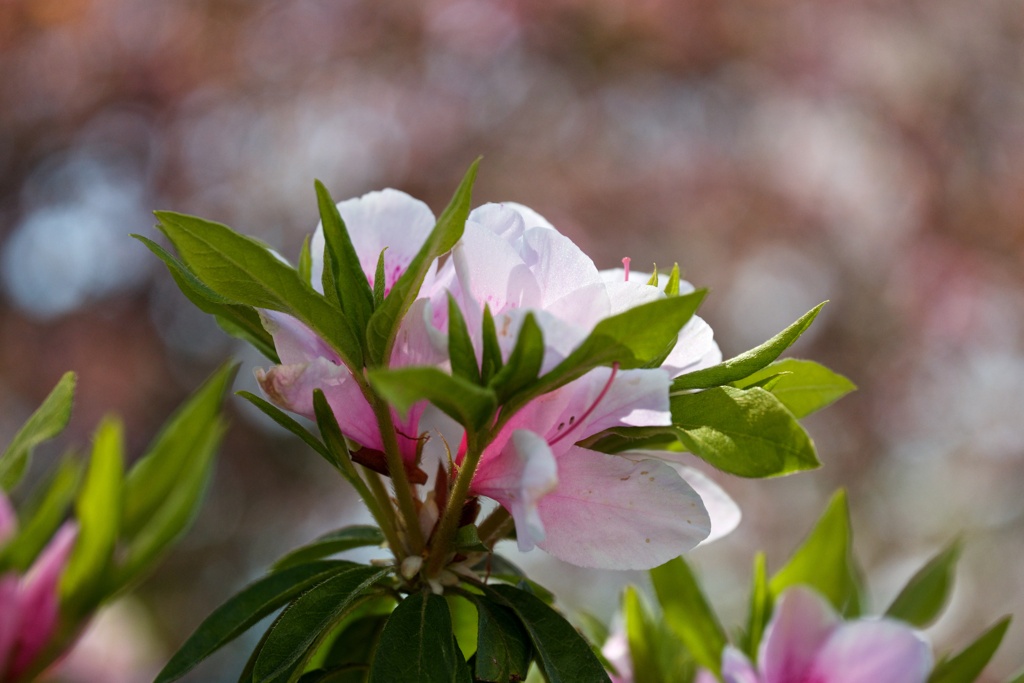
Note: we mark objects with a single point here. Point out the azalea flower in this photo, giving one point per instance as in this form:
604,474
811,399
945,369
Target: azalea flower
807,642
29,604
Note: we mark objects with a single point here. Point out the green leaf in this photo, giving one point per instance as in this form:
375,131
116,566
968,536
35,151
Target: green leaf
642,636
968,664
418,644
467,540
176,512
464,621
460,345
491,360
749,362
688,614
305,267
244,609
244,271
334,440
636,338
41,516
383,328
156,474
470,405
927,593
802,386
237,320
744,432
309,619
760,608
288,422
503,646
524,362
342,268
672,286
562,653
379,280
48,420
98,510
357,536
824,561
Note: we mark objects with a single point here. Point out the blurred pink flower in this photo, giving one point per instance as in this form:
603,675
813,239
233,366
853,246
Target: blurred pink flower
29,604
807,642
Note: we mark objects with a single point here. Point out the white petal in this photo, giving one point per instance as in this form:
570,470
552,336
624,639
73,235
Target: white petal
294,342
873,651
736,668
695,349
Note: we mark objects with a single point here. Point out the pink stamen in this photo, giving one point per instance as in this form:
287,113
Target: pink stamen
588,411
625,267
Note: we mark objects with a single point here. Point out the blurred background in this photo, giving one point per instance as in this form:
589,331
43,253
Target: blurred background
782,151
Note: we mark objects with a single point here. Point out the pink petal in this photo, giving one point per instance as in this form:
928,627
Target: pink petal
294,342
39,600
736,668
491,272
802,623
611,513
388,218
616,651
635,398
873,651
518,478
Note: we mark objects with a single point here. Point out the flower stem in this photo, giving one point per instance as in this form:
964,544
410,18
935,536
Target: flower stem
381,505
396,469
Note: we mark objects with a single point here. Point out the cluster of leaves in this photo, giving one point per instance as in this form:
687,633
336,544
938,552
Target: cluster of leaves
125,520
670,647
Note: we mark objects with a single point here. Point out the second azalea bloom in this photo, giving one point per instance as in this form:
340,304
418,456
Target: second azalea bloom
808,642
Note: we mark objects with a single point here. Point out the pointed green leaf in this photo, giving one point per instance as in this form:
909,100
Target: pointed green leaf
288,422
524,362
470,405
460,345
40,518
98,510
968,664
653,280
642,636
802,386
244,609
309,619
244,271
672,286
824,561
744,432
237,320
926,594
418,644
562,653
305,267
688,614
749,362
503,647
334,441
357,536
383,328
379,281
760,609
491,360
342,266
48,420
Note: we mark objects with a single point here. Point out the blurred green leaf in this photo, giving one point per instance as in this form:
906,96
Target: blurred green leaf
244,609
803,386
383,327
746,432
41,516
503,647
749,362
524,362
926,594
825,562
48,420
760,610
967,665
562,653
688,614
418,644
642,636
344,281
470,405
460,345
357,536
98,510
464,622
303,625
244,271
235,319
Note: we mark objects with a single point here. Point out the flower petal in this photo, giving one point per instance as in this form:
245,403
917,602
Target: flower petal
695,349
802,623
39,601
736,668
873,651
294,342
8,518
612,513
523,473
10,617
387,218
